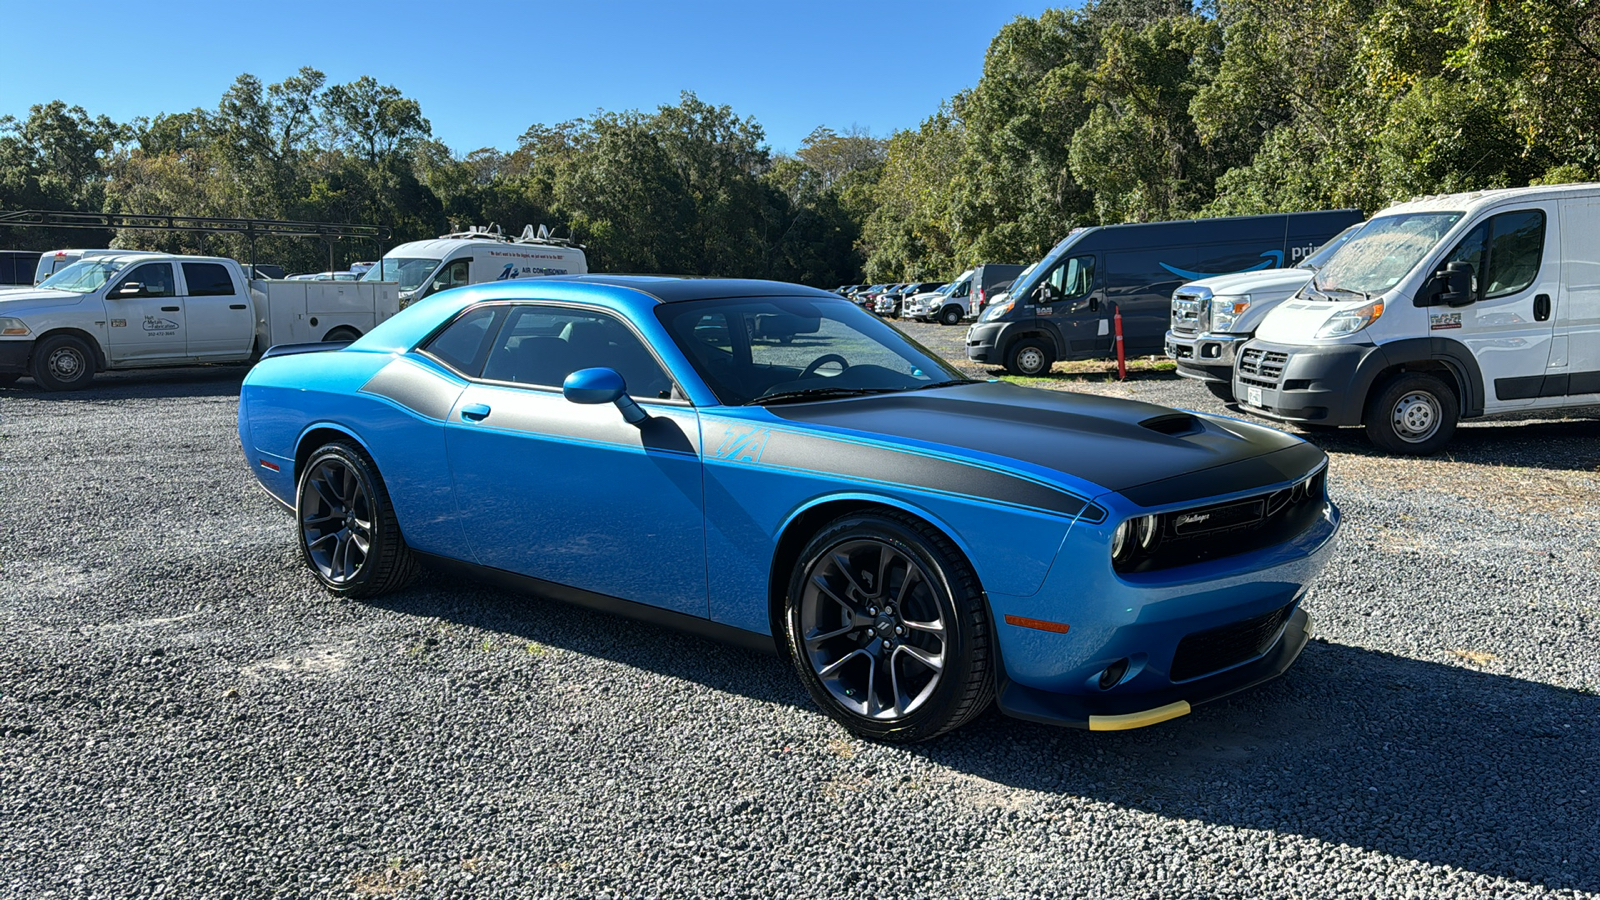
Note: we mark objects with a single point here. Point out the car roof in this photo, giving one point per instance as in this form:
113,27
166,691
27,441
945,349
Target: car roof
678,288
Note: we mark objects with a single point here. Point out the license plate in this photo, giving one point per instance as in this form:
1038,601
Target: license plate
1253,396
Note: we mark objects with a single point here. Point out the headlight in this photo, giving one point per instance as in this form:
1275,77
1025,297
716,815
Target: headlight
996,311
1226,310
1138,533
1351,321
13,327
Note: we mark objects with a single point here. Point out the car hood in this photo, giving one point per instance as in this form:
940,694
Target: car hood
1245,282
1153,455
35,297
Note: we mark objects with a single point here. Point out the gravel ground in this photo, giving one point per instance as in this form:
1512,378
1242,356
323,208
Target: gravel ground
183,713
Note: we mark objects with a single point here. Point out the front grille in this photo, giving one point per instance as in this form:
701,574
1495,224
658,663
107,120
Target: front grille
1266,366
1188,314
1215,649
1188,536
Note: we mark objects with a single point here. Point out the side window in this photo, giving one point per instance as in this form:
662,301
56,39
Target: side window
1470,251
454,275
962,289
462,346
542,345
1516,246
208,280
154,279
1071,278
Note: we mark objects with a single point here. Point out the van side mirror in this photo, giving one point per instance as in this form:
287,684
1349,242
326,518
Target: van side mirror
1450,286
1045,293
602,385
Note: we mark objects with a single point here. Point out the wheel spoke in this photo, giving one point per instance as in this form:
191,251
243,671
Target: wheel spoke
933,663
830,669
934,627
325,490
313,520
873,706
814,638
843,565
886,558
327,536
901,701
853,609
913,573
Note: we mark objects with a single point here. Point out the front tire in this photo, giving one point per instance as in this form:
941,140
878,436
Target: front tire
950,315
63,363
1030,358
888,629
348,535
1413,414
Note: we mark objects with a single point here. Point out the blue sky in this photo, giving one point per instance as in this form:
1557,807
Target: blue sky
484,71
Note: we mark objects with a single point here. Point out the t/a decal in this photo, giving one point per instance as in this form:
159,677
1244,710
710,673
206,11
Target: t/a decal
743,444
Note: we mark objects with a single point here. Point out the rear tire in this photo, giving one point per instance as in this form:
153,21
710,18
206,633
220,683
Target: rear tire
1413,414
63,363
888,628
950,315
342,333
1030,358
1222,390
348,535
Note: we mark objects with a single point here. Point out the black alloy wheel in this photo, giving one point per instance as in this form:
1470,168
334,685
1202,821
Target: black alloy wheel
349,537
63,362
950,315
888,628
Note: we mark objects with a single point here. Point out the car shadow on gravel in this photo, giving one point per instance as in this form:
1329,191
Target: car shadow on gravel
1569,444
1438,763
195,381
1447,765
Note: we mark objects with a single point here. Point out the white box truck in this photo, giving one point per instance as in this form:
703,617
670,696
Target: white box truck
140,310
475,256
1439,309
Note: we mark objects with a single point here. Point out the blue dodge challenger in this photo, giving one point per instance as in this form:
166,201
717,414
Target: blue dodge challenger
769,464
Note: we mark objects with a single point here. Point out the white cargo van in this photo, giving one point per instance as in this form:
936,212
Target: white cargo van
53,261
471,257
1439,309
139,310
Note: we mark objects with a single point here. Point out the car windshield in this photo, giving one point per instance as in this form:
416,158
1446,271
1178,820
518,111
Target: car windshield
1383,252
1317,260
409,271
786,349
83,276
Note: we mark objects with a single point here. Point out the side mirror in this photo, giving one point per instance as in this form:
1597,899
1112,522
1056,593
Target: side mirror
1045,293
130,289
1450,286
602,385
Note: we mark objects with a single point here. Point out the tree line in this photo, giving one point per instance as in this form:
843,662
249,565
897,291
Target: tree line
1121,111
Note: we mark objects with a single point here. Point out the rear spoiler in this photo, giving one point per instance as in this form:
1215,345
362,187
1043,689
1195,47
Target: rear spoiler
312,347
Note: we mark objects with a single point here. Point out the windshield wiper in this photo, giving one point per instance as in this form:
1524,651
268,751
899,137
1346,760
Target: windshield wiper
940,384
817,394
1329,291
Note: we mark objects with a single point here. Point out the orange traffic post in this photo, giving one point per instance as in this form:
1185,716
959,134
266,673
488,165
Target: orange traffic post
1122,362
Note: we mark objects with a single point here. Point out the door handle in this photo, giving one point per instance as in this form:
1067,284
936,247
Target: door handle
1541,307
1094,304
236,306
475,412
169,309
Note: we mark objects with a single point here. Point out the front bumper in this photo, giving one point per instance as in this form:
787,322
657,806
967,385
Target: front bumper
14,356
1205,357
1312,385
983,341
1155,623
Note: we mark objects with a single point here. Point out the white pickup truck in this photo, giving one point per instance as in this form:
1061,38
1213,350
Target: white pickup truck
145,310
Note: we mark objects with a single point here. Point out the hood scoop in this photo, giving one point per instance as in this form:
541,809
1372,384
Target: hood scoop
1173,424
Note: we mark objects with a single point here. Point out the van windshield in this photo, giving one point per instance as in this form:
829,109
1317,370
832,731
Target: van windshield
49,264
1385,251
83,276
1317,260
409,271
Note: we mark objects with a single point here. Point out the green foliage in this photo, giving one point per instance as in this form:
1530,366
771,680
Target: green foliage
1121,110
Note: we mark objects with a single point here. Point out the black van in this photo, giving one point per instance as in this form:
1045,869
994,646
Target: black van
16,267
1063,309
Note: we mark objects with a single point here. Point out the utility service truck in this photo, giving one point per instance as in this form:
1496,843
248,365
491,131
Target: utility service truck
141,310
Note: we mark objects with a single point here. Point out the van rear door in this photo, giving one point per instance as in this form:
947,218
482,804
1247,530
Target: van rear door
1578,307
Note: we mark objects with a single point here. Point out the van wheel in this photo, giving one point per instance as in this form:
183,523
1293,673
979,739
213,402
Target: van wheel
1029,358
1222,390
1413,414
63,363
950,315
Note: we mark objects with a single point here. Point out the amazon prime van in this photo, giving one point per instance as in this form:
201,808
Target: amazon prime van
1064,308
472,257
1439,309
